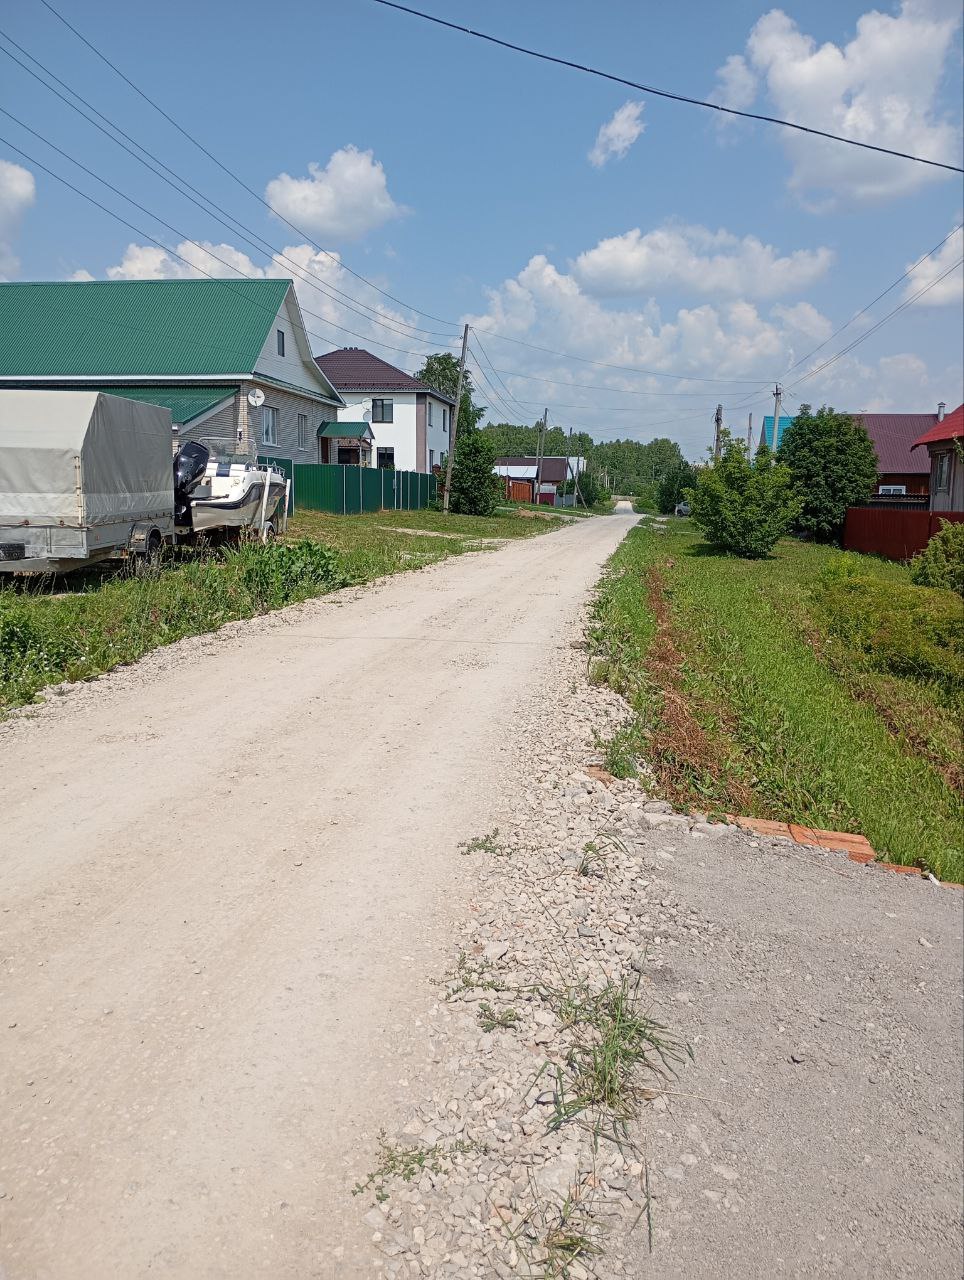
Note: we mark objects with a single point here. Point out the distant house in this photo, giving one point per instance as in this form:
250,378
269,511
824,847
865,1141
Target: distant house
553,472
410,421
766,435
944,459
229,358
345,443
902,474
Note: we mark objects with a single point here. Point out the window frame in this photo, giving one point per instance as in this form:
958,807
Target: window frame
382,453
942,472
269,412
280,341
892,490
302,431
429,405
381,402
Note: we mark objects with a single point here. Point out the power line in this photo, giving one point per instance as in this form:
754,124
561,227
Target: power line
339,261
880,323
234,225
663,93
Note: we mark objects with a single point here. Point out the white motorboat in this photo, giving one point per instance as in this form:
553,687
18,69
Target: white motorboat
213,494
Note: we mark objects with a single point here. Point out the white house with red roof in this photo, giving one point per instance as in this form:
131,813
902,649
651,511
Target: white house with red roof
410,421
943,443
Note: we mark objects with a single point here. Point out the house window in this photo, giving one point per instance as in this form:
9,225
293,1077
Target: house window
302,431
281,342
942,471
269,425
431,459
431,416
386,459
383,410
893,490
445,421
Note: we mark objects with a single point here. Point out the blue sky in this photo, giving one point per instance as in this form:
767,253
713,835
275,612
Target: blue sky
705,259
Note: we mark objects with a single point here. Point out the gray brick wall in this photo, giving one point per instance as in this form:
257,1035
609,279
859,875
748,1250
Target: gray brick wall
220,432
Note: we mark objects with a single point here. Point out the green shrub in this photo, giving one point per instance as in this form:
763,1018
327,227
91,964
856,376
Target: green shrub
895,627
29,650
741,506
475,490
278,573
834,466
941,563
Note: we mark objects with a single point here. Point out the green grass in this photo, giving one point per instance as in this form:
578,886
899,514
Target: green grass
78,627
818,688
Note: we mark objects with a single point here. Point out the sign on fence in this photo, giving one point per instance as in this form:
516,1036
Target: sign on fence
342,490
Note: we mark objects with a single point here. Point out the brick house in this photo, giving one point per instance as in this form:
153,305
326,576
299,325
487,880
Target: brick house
230,358
410,421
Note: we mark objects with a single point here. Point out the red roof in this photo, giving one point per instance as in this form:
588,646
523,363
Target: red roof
893,436
952,428
353,369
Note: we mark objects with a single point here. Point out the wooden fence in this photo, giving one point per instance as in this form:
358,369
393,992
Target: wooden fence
895,535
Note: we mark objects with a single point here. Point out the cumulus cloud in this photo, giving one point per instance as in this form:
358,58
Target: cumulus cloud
342,201
729,339
950,291
880,87
316,277
695,258
618,134
17,193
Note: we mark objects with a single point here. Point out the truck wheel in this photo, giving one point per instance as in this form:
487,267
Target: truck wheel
150,559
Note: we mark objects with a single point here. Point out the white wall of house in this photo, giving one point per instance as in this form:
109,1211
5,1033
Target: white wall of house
401,434
296,366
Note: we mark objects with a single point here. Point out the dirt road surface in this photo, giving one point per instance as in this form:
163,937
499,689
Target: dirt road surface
226,879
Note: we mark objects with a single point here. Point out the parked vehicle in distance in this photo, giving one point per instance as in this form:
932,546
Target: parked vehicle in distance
84,477
682,509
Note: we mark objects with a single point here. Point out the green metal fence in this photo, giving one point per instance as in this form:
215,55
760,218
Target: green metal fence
349,490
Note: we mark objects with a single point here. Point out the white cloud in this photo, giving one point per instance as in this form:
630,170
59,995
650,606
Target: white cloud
81,275
693,257
342,201
17,193
618,134
880,87
950,291
316,277
731,339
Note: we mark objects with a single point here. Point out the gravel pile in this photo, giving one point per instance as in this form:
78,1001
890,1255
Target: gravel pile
554,1030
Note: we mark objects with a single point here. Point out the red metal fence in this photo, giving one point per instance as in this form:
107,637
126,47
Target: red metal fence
896,535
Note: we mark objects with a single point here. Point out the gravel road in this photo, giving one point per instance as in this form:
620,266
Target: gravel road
228,874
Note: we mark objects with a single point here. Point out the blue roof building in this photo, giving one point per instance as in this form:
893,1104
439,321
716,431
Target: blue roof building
767,436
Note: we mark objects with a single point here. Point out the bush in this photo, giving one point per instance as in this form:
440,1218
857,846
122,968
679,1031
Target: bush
834,466
893,626
741,506
475,490
941,563
29,650
279,573
673,485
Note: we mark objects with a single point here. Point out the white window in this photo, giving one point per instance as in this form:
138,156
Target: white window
430,414
445,420
893,490
942,471
269,425
281,341
302,431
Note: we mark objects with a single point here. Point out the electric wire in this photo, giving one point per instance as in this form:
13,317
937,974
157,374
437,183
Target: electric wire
665,93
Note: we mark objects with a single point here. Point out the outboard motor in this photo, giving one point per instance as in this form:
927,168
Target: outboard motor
190,464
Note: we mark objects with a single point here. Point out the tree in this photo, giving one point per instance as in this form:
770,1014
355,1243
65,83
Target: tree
441,371
834,466
742,506
475,490
673,485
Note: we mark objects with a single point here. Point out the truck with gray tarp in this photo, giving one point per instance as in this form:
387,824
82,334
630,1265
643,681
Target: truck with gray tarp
84,476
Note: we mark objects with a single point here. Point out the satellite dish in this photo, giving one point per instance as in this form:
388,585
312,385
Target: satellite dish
256,398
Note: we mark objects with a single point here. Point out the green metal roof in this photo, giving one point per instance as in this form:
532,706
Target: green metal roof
345,430
147,327
184,403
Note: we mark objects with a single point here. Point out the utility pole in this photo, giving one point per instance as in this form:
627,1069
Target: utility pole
718,423
777,400
749,433
576,495
540,451
455,424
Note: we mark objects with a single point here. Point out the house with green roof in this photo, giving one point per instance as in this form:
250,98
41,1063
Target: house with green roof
230,358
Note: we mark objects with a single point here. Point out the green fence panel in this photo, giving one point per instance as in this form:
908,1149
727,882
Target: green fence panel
286,466
371,489
350,490
319,487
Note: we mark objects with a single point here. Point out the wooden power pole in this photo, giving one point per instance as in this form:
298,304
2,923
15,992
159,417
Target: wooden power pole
455,423
777,401
540,453
718,423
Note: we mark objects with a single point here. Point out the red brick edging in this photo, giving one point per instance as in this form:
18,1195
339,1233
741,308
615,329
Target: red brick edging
857,848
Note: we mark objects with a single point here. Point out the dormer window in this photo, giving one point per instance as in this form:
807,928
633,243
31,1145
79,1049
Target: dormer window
281,342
